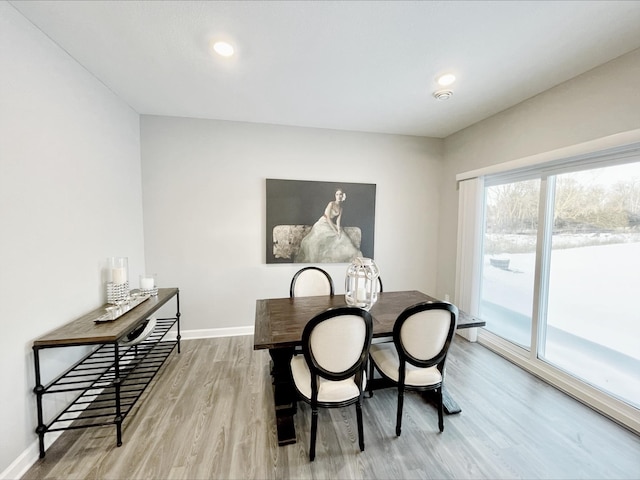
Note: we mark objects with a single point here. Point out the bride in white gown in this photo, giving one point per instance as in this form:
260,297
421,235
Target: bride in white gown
326,242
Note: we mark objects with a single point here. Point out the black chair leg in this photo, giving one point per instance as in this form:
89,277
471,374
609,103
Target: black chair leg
314,431
370,378
440,410
400,402
360,429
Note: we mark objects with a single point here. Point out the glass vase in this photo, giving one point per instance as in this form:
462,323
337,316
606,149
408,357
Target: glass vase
361,283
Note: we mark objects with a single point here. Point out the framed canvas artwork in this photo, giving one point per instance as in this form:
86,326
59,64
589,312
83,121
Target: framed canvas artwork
319,222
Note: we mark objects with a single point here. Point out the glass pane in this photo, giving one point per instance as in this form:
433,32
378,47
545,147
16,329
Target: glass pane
509,249
593,317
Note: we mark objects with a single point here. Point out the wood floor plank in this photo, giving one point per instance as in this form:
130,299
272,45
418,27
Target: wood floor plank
209,415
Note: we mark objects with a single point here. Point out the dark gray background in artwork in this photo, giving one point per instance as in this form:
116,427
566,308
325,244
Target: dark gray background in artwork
301,202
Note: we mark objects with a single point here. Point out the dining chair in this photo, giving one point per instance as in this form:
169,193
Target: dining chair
379,288
332,372
415,360
311,281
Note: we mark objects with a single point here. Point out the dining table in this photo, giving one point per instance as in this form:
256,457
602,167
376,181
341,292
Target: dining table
279,323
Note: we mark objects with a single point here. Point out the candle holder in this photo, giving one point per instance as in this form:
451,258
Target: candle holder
361,283
117,280
148,285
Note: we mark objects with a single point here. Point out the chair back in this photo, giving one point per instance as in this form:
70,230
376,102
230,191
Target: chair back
336,343
309,282
423,332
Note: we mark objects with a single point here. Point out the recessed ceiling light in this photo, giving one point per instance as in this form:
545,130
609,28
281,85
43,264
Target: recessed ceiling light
443,94
446,79
223,49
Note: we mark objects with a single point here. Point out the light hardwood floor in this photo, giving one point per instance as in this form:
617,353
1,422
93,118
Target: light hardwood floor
209,414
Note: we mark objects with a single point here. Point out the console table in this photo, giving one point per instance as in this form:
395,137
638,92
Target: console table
111,378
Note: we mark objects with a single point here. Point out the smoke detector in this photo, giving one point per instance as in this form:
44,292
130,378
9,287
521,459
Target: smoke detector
443,94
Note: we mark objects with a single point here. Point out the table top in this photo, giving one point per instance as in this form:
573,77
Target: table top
279,321
84,330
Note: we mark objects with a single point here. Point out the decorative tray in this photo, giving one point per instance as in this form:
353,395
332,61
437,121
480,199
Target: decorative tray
113,312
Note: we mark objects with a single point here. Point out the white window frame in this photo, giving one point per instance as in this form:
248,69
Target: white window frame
613,150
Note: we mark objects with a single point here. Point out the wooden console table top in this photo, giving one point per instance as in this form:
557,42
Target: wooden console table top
84,330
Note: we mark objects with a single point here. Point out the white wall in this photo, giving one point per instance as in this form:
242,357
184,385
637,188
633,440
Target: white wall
70,195
601,102
204,208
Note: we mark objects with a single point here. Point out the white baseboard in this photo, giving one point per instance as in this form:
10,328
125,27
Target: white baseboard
32,453
471,334
28,458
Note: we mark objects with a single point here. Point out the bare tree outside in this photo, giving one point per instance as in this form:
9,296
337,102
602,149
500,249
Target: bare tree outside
600,213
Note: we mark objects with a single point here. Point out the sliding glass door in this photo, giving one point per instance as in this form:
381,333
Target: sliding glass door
593,316
508,268
561,271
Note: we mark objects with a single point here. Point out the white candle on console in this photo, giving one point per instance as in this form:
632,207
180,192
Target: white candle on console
146,283
119,275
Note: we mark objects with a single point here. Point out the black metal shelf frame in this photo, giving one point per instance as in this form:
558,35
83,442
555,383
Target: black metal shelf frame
109,381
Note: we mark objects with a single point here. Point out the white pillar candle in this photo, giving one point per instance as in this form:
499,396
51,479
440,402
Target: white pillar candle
119,275
146,283
361,294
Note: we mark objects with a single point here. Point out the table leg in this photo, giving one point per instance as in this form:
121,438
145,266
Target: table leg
284,395
449,404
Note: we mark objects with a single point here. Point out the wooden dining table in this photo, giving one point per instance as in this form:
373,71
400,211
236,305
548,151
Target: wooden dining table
279,324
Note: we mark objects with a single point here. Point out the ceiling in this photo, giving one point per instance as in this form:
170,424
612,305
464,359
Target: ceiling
349,65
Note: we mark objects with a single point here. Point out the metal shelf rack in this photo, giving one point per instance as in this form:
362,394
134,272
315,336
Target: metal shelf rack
112,377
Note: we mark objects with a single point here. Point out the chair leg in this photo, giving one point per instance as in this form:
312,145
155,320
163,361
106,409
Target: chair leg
360,429
440,410
314,431
369,378
400,402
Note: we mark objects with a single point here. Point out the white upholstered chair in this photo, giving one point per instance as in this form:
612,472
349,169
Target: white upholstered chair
332,372
311,281
415,360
